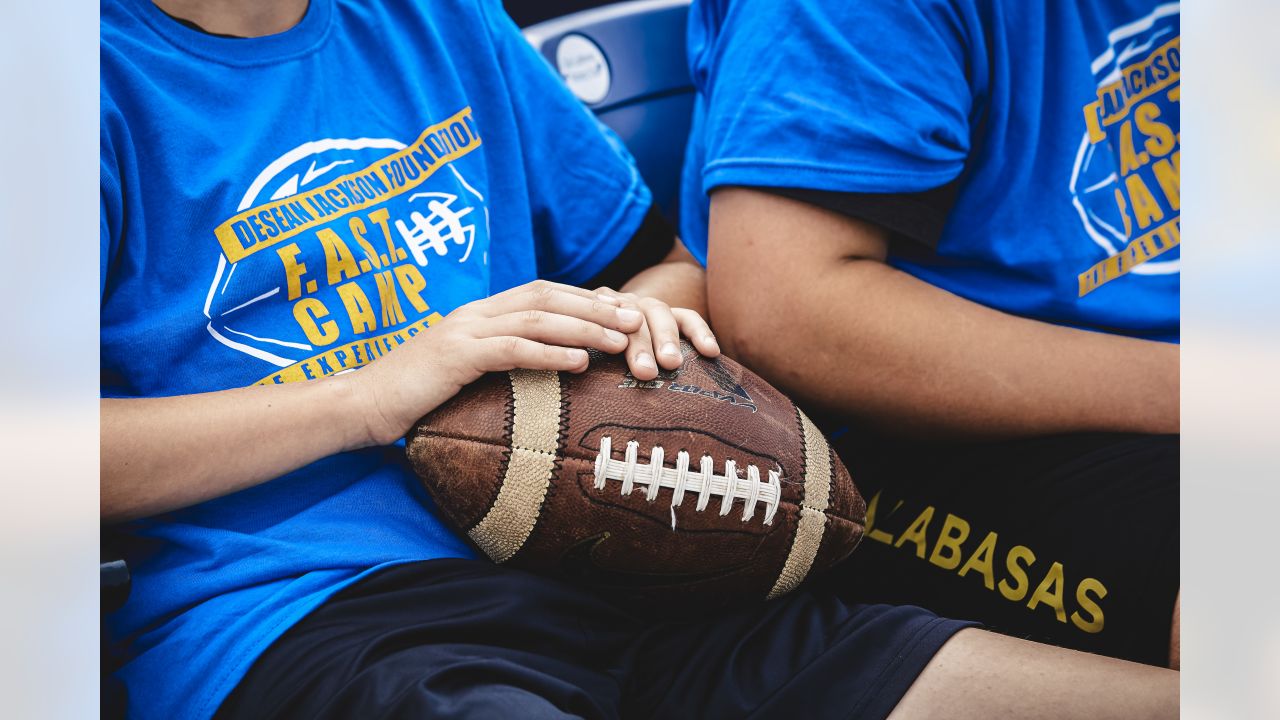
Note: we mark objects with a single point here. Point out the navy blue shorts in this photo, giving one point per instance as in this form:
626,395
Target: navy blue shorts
468,639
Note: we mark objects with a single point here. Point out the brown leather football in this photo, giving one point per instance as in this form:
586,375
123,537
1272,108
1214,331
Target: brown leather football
703,487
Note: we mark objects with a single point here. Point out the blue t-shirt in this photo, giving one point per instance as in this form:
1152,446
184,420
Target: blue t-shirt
1060,120
285,208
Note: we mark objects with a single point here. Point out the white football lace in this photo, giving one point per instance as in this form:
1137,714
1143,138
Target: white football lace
680,479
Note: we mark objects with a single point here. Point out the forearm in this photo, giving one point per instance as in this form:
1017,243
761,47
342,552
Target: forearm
159,454
165,453
678,280
804,297
865,339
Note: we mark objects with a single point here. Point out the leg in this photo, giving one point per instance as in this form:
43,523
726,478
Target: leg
813,655
982,675
442,639
808,655
1175,636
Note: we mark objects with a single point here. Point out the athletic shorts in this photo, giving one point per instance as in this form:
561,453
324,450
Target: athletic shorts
468,639
1070,540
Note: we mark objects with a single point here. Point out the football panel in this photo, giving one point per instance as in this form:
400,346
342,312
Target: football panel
697,444
813,516
717,397
480,411
463,476
535,439
846,501
846,519
627,553
841,538
641,538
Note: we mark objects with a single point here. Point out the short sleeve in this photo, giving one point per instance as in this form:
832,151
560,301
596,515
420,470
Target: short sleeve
833,95
106,240
585,193
111,202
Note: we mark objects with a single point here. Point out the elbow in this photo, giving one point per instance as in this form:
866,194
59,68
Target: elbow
751,328
742,341
777,338
772,347
729,320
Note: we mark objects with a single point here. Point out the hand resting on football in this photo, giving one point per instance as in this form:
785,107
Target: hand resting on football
160,454
539,326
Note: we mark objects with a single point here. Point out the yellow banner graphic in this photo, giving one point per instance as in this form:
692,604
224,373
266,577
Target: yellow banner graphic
1155,243
349,355
265,225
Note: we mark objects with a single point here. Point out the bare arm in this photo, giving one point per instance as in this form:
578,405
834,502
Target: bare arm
165,453
678,280
804,297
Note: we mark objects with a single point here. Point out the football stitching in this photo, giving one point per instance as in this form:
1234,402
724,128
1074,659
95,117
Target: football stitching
565,454
582,443
804,545
631,471
509,522
506,446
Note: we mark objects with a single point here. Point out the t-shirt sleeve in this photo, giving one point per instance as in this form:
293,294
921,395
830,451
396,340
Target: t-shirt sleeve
585,193
918,218
869,97
111,199
111,222
106,242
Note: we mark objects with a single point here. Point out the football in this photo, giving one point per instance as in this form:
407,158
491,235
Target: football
701,488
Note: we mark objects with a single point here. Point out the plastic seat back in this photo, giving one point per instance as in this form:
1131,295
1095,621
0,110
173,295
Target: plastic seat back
626,61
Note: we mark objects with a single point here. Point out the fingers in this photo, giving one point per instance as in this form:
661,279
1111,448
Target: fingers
565,300
538,286
608,294
666,325
499,354
664,333
640,344
640,354
693,326
551,315
553,329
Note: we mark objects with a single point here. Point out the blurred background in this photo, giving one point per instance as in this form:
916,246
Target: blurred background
48,362
1231,360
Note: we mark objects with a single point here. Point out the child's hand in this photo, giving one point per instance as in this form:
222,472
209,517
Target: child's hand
659,335
538,326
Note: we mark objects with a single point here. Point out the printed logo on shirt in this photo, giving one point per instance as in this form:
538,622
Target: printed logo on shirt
1016,572
323,272
1124,184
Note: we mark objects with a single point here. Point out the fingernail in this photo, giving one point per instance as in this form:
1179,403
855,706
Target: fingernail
711,340
614,336
628,315
670,349
607,298
576,356
645,360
